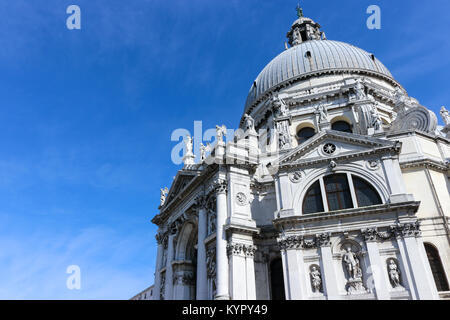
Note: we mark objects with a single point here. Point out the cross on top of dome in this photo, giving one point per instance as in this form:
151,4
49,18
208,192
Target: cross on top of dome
304,29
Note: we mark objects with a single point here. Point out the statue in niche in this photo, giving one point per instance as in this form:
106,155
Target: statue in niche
360,90
322,111
351,262
445,116
280,106
163,197
394,273
249,123
220,131
283,136
316,279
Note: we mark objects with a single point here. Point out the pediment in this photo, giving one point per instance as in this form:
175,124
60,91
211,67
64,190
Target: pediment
331,144
180,182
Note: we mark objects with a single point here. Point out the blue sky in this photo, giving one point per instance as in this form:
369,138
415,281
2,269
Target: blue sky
86,116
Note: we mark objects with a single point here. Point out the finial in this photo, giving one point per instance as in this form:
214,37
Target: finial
299,11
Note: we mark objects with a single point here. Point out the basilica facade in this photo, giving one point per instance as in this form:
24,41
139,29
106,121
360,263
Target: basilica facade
336,186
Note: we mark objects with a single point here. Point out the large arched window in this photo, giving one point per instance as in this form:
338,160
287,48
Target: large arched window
338,191
341,126
436,267
305,134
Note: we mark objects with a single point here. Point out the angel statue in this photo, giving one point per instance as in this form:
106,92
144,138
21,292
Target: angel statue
445,116
203,150
376,119
164,193
220,131
279,105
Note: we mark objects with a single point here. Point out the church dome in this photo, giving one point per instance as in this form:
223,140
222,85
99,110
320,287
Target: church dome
311,58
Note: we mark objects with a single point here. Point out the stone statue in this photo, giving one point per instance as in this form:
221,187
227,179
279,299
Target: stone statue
280,106
322,111
284,140
316,279
202,152
394,273
445,116
164,193
189,145
249,123
360,90
351,262
220,131
376,119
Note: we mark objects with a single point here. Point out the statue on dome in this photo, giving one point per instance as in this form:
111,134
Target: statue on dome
220,131
445,116
299,11
322,111
280,106
249,123
360,90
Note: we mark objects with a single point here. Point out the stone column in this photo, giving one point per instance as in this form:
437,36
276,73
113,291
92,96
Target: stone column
156,290
330,285
242,270
377,266
293,268
222,292
424,289
202,281
168,293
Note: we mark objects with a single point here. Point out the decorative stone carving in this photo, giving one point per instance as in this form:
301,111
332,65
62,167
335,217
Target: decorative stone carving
211,263
323,239
316,278
373,164
241,199
329,148
211,222
220,131
241,249
163,197
376,119
162,287
295,177
417,118
409,229
290,242
445,116
353,270
332,165
184,278
394,273
220,186
370,234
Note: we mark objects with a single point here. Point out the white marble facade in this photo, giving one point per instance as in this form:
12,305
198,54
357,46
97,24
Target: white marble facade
338,189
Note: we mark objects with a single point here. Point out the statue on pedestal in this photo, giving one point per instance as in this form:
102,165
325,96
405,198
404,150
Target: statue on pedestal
445,116
316,279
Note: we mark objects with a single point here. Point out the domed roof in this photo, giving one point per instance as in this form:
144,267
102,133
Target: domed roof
311,58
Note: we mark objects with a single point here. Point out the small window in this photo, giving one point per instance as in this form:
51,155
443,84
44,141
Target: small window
313,200
308,54
436,267
338,192
305,134
342,126
366,195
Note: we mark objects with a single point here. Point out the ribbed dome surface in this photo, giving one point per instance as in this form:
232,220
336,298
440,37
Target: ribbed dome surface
324,55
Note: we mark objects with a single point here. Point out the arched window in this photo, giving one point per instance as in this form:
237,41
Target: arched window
339,194
304,134
436,267
313,200
341,126
366,195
